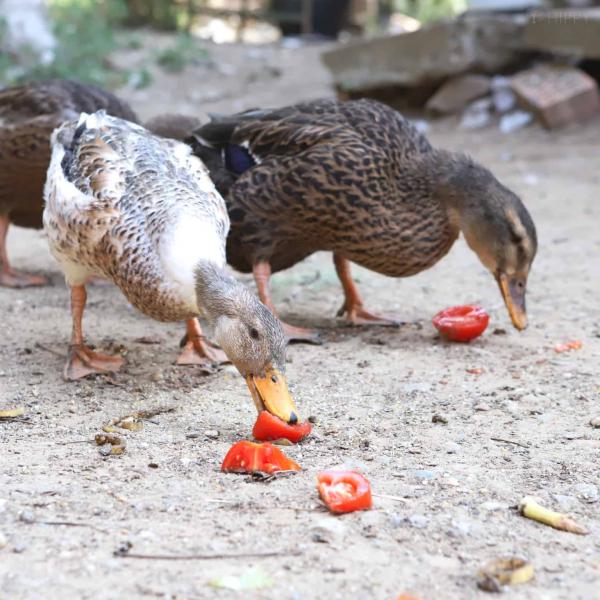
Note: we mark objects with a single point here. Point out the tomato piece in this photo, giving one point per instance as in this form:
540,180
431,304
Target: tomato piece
344,491
269,427
574,345
248,457
461,323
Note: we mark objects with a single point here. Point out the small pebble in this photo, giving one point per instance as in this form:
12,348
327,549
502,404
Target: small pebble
213,434
26,516
587,491
595,422
482,407
312,419
417,521
452,448
493,505
460,529
424,474
566,503
3,541
439,419
327,531
19,547
156,376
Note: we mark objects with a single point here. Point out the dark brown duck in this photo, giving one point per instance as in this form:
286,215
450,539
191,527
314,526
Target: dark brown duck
28,115
357,179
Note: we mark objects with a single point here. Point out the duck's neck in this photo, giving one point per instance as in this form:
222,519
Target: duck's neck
217,292
457,183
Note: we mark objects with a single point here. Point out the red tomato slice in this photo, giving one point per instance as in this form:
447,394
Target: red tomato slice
270,427
248,457
344,491
461,323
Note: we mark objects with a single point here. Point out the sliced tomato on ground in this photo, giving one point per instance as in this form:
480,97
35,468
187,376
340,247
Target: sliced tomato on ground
344,491
269,427
461,323
248,457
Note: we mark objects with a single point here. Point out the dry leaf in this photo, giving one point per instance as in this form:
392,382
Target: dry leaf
504,571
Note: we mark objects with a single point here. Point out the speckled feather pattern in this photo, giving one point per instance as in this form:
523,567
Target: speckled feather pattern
28,115
349,177
135,208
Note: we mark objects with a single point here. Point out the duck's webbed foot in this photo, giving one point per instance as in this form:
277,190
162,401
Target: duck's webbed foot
15,279
197,350
83,361
301,335
355,314
353,307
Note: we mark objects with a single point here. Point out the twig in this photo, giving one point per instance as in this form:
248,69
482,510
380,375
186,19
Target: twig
51,350
497,439
126,554
387,497
71,524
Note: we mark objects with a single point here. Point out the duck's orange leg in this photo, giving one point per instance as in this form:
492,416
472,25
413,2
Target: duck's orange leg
9,277
197,350
81,360
353,307
262,276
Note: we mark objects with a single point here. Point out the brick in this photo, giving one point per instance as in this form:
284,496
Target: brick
558,95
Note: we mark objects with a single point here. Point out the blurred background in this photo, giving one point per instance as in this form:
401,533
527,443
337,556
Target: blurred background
471,58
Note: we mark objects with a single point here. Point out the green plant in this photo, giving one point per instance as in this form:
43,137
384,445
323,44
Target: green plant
430,10
186,50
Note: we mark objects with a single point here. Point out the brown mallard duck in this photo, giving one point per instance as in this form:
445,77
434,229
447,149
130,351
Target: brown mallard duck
143,212
28,115
358,179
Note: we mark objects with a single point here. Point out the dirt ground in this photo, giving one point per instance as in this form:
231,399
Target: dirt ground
444,492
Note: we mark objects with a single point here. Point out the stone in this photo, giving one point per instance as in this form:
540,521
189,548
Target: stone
3,541
424,474
213,434
574,32
452,448
595,422
493,506
430,55
460,528
515,120
587,492
456,93
504,99
477,114
327,530
565,503
417,521
26,516
558,95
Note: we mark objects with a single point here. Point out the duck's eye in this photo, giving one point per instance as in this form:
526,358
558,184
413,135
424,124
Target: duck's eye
274,378
254,333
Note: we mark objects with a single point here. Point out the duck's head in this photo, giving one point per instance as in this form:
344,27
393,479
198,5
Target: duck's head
253,339
499,229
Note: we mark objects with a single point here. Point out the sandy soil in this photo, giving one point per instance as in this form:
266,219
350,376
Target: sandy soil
445,492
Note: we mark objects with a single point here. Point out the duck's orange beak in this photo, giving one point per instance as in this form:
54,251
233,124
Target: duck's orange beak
513,292
270,392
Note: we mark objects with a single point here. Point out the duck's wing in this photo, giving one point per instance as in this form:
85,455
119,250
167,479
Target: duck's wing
117,195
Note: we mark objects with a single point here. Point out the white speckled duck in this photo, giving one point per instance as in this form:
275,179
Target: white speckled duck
143,212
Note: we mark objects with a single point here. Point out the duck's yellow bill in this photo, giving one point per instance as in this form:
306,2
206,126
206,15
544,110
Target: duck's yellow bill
270,392
514,298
